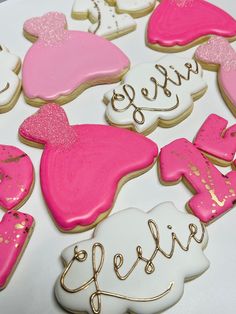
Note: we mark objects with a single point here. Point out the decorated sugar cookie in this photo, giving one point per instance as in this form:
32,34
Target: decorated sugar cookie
16,177
106,22
61,64
180,24
10,84
84,166
217,141
136,8
151,94
215,193
141,269
15,231
217,54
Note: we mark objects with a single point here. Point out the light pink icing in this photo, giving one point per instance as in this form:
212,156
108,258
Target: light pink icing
80,170
16,176
215,192
215,139
14,233
61,61
218,51
180,22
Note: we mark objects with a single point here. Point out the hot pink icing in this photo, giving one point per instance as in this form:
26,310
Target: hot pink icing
61,61
215,192
180,22
218,51
16,176
15,230
80,170
215,139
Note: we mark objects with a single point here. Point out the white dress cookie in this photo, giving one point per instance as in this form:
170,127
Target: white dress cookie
10,84
141,269
105,21
151,94
136,8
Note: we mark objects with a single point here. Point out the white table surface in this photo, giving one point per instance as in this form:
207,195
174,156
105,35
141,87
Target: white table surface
30,290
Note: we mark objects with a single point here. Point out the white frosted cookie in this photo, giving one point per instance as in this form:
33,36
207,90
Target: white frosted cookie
10,84
105,21
136,262
152,94
136,8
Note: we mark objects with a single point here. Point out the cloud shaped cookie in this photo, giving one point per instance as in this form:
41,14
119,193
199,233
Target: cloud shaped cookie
141,269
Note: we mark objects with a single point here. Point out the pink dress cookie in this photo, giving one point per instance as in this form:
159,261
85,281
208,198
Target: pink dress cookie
217,54
180,24
215,193
16,177
83,166
216,141
15,231
61,64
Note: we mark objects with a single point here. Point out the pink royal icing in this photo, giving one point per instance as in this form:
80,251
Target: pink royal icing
218,51
61,60
15,230
180,22
216,140
82,165
215,192
16,176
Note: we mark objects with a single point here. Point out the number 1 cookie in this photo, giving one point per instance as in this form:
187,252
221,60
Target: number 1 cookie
61,64
106,22
214,193
84,166
217,141
177,25
10,84
141,269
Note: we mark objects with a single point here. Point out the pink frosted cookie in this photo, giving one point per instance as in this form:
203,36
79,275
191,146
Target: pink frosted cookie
218,55
217,141
15,231
180,24
215,193
61,64
16,177
84,166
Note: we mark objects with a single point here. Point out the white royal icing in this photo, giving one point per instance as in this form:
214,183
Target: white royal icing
132,5
9,81
107,22
132,108
155,278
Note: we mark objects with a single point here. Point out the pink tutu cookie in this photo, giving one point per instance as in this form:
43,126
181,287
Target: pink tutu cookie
16,177
15,231
61,64
84,166
180,24
218,55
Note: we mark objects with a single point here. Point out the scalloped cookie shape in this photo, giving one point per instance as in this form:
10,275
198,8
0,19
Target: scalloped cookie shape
141,269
